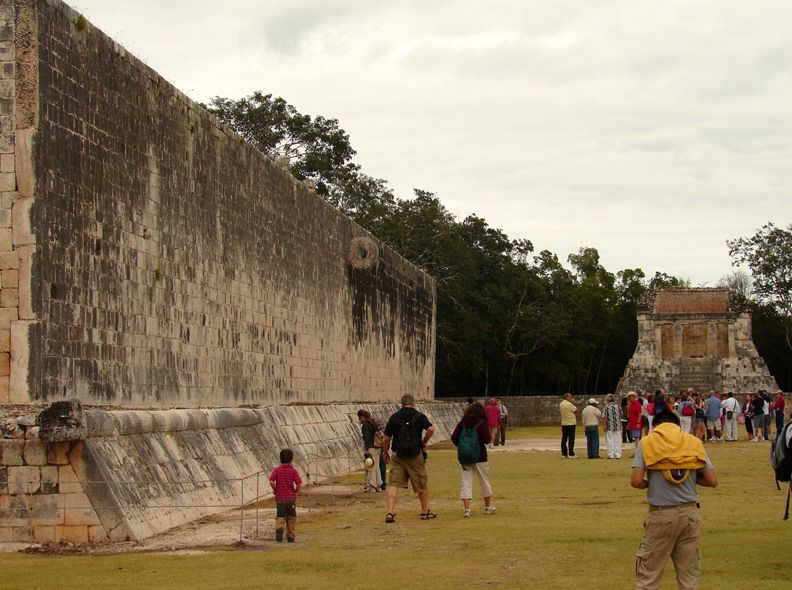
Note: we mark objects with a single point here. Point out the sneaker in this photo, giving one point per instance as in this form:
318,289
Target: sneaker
573,456
279,535
468,513
490,510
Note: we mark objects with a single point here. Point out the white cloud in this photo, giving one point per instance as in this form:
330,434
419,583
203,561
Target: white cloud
653,131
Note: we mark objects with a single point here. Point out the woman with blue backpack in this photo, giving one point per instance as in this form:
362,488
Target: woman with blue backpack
471,437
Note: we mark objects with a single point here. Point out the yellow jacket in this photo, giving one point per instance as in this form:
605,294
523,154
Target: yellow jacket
667,447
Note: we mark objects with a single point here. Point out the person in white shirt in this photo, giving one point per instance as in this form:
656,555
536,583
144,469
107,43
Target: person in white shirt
730,407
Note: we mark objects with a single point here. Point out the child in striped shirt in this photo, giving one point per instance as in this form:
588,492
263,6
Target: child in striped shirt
285,482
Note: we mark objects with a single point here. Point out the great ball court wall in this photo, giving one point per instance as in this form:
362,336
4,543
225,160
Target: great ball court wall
699,338
150,259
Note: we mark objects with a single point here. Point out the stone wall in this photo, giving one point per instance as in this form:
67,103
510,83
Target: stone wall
150,257
536,410
137,473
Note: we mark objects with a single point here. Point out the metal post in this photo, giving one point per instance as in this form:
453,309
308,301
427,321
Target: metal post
258,501
241,507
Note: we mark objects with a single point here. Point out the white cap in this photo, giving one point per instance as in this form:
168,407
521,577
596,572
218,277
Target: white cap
593,401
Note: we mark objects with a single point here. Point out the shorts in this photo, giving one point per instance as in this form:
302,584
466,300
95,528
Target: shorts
713,424
284,508
408,468
635,434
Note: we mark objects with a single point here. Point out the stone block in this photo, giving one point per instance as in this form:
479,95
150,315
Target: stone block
49,479
22,534
80,516
7,315
67,480
25,179
97,534
20,221
75,500
9,279
3,479
15,510
7,181
9,298
26,254
19,391
44,510
5,534
9,260
5,218
5,340
5,391
32,432
73,534
5,364
35,452
44,534
6,244
11,451
6,162
58,453
24,480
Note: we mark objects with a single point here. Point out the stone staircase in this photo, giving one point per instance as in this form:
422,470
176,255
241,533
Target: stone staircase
702,374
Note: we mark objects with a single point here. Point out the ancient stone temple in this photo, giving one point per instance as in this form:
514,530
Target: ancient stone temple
698,338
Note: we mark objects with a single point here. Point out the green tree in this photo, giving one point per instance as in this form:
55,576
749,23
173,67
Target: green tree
768,255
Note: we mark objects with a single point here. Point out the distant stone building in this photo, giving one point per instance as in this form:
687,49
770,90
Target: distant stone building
698,338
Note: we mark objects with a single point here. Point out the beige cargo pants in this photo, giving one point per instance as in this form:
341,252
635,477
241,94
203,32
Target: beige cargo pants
673,532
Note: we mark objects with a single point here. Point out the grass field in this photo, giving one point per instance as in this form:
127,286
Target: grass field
560,525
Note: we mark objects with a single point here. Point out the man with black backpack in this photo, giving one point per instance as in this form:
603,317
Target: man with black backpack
407,434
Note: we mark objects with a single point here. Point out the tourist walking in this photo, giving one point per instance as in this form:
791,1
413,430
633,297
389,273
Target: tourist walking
286,483
372,441
634,416
612,416
591,416
700,418
748,412
407,434
472,431
713,412
568,424
493,420
686,414
669,464
778,408
731,410
758,417
504,421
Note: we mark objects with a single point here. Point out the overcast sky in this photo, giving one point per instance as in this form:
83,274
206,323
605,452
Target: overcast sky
653,131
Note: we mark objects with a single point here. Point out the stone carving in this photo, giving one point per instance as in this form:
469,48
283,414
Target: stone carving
363,253
698,338
62,422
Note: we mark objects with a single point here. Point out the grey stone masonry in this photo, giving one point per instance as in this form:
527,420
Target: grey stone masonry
149,257
699,338
140,472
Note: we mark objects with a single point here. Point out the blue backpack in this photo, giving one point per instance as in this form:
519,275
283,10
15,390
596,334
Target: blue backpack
469,447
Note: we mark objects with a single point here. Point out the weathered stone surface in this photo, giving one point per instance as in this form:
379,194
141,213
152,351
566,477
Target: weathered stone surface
35,453
24,480
11,451
695,338
63,421
58,453
174,264
44,510
77,534
44,534
67,481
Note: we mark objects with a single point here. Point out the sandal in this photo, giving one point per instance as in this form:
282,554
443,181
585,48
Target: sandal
390,518
428,515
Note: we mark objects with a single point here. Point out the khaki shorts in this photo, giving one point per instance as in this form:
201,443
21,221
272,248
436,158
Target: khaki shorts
412,469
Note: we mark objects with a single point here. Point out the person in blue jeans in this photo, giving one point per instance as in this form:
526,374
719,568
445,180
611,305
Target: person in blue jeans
591,419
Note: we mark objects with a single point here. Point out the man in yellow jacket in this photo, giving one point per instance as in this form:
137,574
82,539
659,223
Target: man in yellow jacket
669,464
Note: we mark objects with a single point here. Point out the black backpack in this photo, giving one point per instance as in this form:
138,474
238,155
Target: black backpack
408,441
781,461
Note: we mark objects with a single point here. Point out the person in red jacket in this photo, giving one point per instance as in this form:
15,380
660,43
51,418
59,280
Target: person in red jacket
634,415
493,419
778,406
